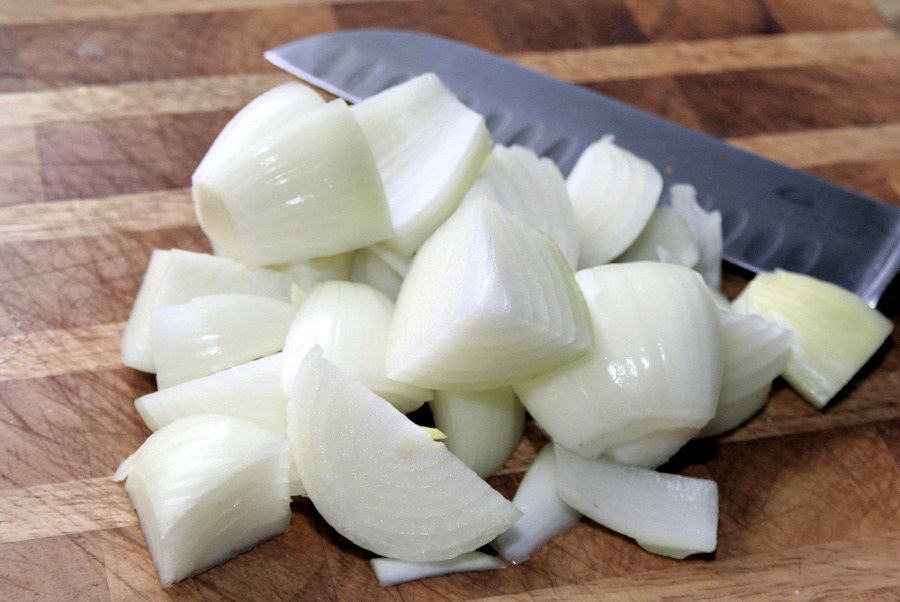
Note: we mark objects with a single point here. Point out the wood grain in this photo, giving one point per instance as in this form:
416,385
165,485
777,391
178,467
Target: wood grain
107,107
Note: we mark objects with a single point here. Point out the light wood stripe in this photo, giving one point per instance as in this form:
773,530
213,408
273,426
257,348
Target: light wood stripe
159,210
714,56
189,95
63,509
55,352
97,217
846,569
827,147
139,99
32,12
20,175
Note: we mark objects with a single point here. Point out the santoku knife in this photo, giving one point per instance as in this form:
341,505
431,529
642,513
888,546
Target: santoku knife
772,215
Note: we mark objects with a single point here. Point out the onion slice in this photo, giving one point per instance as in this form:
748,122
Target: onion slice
380,480
391,571
667,514
545,515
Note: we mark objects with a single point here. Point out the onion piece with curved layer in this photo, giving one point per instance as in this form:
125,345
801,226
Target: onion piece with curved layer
262,115
483,428
488,301
391,571
207,488
533,189
657,363
613,194
545,515
666,514
835,331
215,332
379,479
428,147
308,189
175,276
350,322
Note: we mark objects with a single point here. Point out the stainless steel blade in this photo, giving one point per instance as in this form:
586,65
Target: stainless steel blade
772,216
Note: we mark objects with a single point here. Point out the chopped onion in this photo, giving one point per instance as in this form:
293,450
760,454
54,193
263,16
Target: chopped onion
666,514
657,363
251,391
755,352
706,226
307,273
666,234
391,571
174,277
350,322
736,412
380,480
370,268
544,514
308,189
428,147
207,488
263,115
835,332
214,332
483,428
505,308
534,190
613,194
653,449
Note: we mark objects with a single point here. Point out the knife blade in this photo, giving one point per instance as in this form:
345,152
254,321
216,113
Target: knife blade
772,216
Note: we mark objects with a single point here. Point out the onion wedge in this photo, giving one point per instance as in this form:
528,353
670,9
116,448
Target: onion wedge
380,480
350,322
207,488
657,363
483,428
488,301
533,189
308,189
428,147
174,277
613,194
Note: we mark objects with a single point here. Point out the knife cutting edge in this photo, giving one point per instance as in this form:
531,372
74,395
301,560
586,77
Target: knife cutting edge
772,216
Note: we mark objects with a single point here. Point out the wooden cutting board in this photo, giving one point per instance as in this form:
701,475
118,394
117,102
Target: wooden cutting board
106,107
